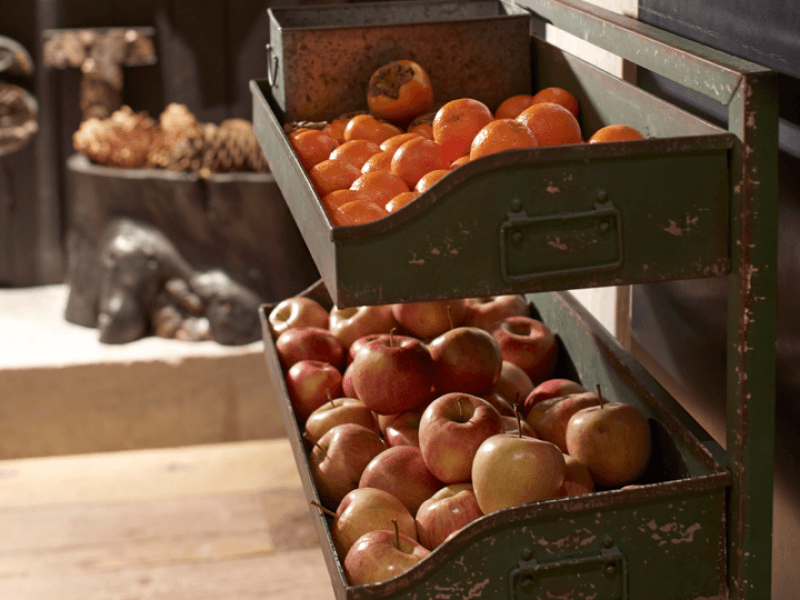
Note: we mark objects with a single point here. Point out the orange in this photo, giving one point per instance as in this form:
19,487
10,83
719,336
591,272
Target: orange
429,179
551,124
416,157
356,213
394,142
312,147
355,152
500,135
401,200
367,127
457,122
334,200
399,91
382,161
558,95
423,129
381,186
616,133
459,161
512,106
331,175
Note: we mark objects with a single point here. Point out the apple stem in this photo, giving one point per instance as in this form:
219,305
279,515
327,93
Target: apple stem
600,396
396,534
519,419
450,315
316,445
460,410
330,397
391,337
328,512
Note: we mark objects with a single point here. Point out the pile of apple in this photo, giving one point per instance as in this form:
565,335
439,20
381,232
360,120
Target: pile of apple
422,417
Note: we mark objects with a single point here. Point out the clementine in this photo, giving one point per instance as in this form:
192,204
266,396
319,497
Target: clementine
382,161
416,157
312,146
616,133
380,186
367,127
331,175
355,151
558,95
499,135
457,122
401,200
512,106
357,212
551,124
429,179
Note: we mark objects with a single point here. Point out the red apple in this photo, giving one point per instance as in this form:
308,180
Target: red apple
509,470
426,320
401,471
504,407
551,388
311,383
612,440
466,359
511,425
368,509
349,324
297,311
362,341
393,374
482,312
309,343
402,429
380,555
550,417
514,384
529,344
338,412
577,478
448,510
348,390
339,458
451,429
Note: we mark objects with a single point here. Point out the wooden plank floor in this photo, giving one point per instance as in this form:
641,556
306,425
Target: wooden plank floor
226,521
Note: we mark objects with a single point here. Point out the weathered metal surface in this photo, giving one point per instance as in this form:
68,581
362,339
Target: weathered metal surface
455,42
752,300
673,522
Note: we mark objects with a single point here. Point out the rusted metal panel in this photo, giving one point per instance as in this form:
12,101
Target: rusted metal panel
311,79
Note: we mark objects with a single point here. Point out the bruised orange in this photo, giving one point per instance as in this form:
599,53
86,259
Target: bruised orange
616,133
457,122
399,91
551,124
499,135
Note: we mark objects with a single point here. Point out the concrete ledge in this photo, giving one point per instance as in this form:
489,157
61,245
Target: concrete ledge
63,392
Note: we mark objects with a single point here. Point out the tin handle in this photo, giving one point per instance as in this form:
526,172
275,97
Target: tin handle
272,67
603,575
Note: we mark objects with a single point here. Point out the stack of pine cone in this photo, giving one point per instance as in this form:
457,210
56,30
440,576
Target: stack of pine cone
177,142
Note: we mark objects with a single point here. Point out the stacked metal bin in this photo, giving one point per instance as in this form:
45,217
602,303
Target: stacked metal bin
693,200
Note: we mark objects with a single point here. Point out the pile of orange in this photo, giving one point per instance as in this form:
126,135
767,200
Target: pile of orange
367,164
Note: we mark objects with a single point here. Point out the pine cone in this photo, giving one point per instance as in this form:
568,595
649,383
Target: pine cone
176,124
187,155
233,148
122,140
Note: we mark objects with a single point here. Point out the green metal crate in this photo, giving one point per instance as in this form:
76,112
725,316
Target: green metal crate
694,201
618,543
